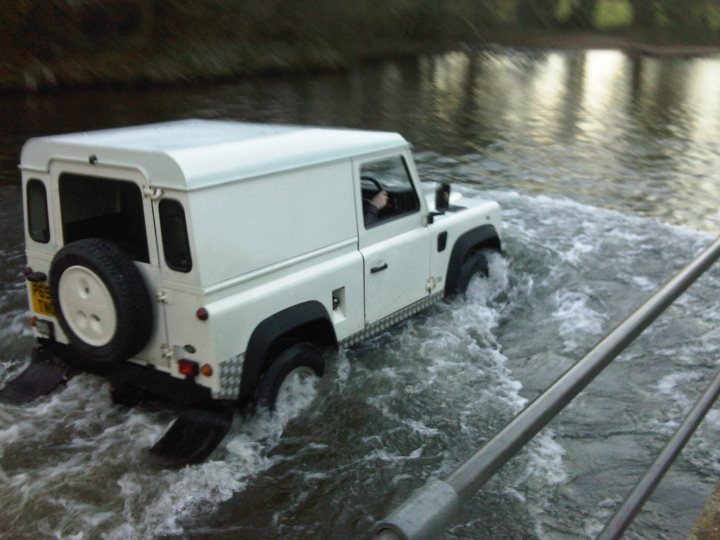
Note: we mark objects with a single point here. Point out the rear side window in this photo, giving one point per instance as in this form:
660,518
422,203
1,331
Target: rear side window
94,207
37,212
174,235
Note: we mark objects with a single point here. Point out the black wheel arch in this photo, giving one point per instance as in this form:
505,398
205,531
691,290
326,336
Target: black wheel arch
483,237
305,322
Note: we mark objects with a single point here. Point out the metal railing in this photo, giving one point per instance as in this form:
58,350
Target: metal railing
430,508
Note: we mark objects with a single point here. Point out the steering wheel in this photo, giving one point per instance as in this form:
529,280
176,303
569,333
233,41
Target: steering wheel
378,187
374,182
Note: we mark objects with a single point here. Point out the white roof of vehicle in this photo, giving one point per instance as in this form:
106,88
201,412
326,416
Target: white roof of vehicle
189,154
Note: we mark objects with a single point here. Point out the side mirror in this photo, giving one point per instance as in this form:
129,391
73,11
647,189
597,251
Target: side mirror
442,197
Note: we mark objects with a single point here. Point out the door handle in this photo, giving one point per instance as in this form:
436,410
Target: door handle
376,269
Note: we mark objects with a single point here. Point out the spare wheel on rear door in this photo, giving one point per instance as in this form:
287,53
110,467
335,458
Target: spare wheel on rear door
101,300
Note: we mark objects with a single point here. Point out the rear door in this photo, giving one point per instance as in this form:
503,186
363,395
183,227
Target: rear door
114,204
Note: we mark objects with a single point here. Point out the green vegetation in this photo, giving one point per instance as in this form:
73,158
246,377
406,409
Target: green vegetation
68,42
613,14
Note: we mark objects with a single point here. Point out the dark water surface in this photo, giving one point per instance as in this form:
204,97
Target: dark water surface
607,170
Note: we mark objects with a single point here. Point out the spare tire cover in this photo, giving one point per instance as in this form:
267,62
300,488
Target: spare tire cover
101,300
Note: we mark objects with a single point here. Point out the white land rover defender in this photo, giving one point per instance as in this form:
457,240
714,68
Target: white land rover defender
204,261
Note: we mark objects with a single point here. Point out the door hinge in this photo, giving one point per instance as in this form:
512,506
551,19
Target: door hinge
152,193
162,296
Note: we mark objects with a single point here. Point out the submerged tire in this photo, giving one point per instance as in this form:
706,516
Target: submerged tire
302,359
475,265
101,300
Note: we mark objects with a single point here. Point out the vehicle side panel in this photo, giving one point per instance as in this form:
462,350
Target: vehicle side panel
259,222
236,312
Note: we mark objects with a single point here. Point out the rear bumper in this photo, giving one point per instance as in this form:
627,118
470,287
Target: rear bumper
156,384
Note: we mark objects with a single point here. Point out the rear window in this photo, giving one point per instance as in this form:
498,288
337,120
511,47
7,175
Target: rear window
94,207
37,211
176,247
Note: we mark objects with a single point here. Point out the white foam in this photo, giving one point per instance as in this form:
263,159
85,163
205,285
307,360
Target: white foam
14,323
458,349
594,525
670,383
108,444
583,245
385,455
644,283
576,317
181,493
546,458
682,394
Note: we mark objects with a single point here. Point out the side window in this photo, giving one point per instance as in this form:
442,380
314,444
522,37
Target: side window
37,212
174,235
387,190
94,207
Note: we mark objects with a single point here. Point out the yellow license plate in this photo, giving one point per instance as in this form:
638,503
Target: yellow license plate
41,301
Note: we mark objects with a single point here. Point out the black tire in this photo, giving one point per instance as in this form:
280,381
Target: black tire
301,355
475,265
112,271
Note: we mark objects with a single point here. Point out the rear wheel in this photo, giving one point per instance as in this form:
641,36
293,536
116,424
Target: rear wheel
290,368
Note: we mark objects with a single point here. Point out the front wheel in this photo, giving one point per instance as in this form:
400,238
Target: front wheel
293,365
475,266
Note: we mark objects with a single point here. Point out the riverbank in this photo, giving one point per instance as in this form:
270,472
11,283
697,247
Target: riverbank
203,62
628,43
46,44
707,526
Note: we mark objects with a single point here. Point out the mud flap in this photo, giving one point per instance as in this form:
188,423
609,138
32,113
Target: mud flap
194,435
42,376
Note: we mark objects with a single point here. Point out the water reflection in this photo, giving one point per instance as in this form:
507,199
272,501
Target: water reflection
604,90
549,89
450,84
631,133
702,101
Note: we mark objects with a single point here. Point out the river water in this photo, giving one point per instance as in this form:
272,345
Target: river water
606,167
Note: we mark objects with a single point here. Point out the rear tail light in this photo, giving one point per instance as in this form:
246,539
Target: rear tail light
202,314
188,368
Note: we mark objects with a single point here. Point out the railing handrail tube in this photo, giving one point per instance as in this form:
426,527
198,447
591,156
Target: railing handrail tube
475,471
647,484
